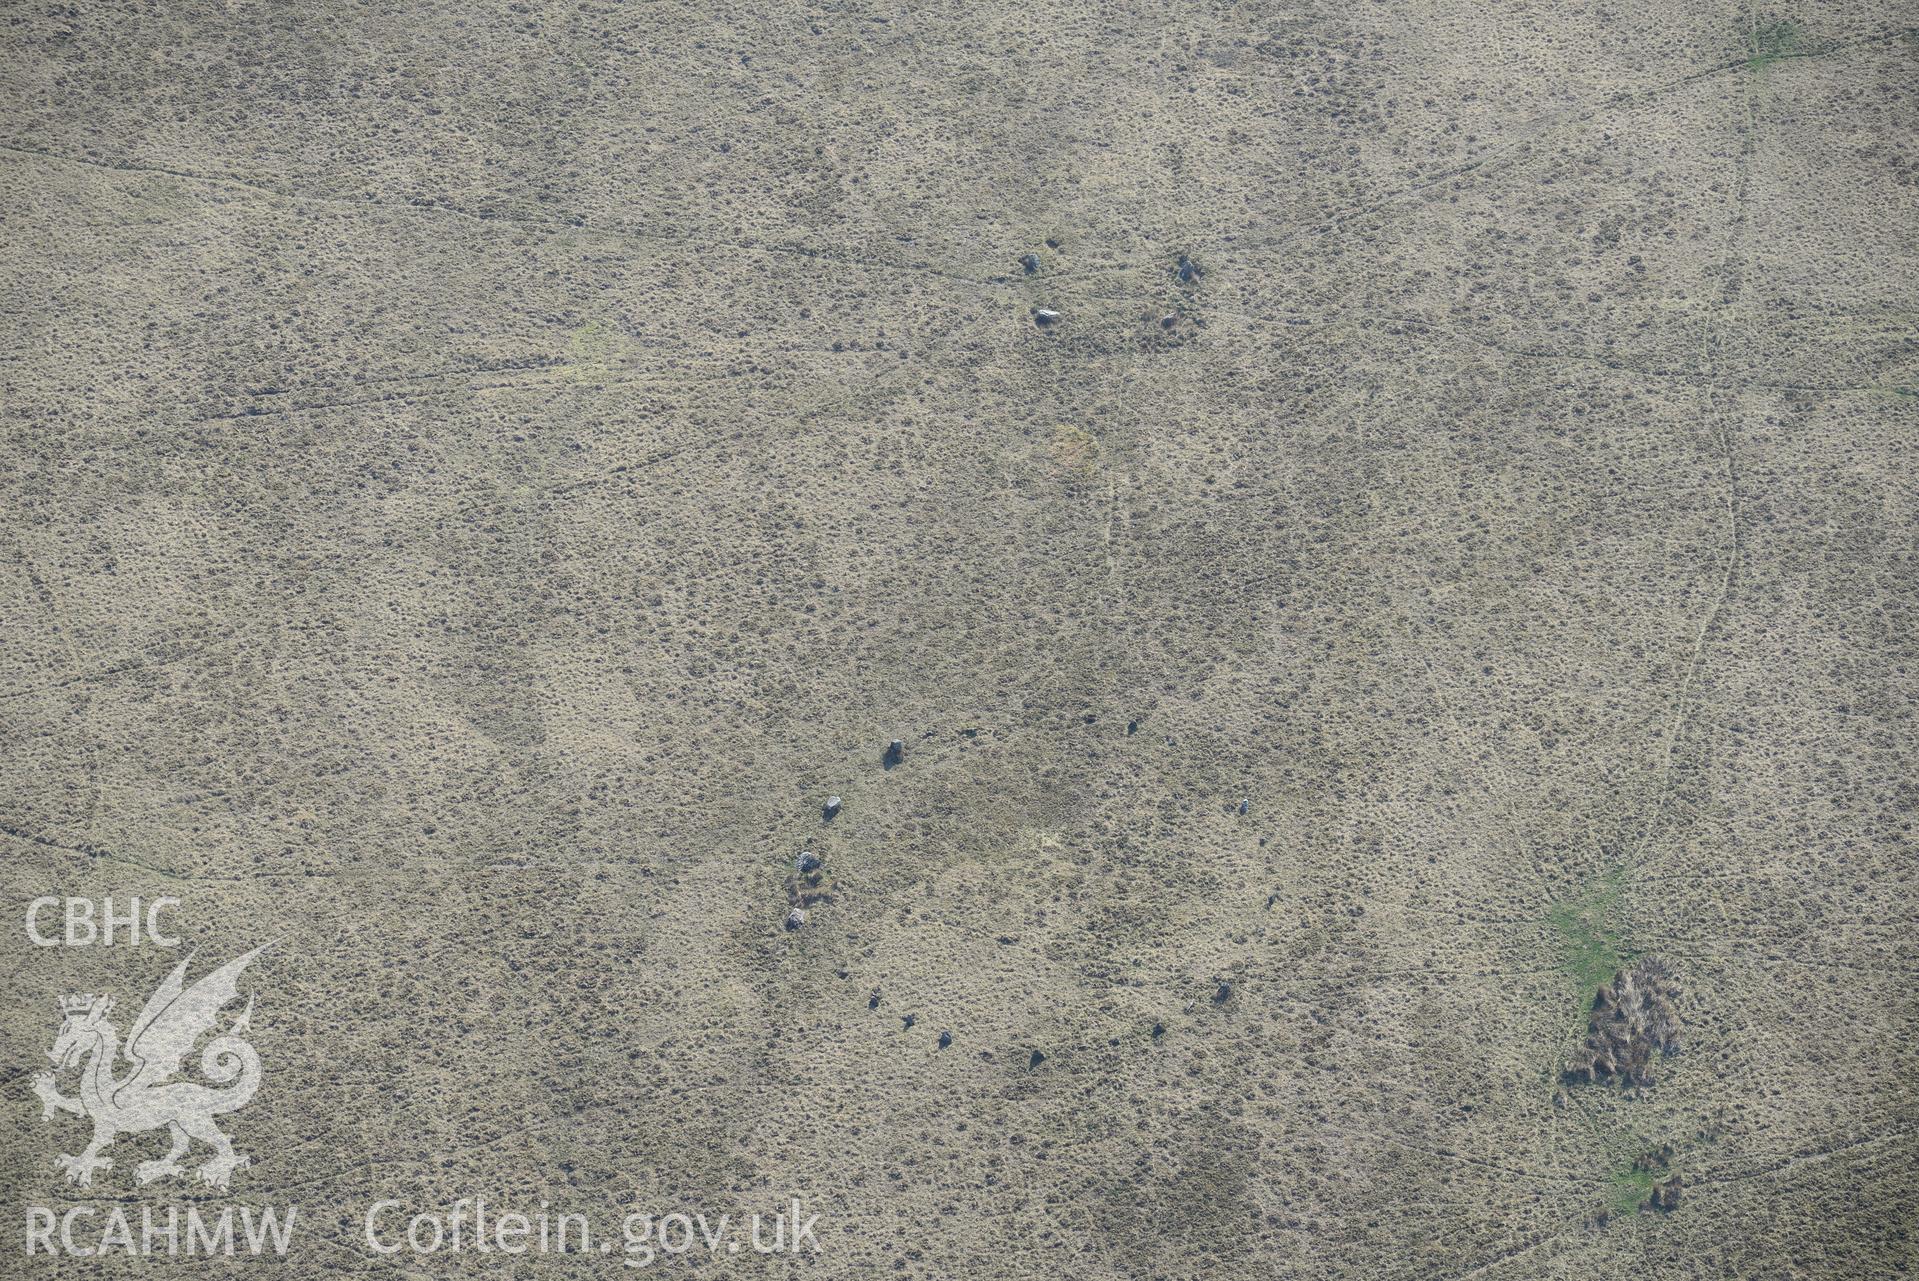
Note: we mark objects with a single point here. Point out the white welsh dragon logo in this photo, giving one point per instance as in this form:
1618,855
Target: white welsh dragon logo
147,1097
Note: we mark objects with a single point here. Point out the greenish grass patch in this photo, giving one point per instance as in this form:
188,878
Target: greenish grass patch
1772,42
1628,1188
1592,949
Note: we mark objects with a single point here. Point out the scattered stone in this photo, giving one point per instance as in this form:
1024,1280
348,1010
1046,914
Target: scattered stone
1036,1060
809,884
1224,994
1634,1022
1245,803
1188,270
1132,728
907,1021
873,1001
1159,1030
895,753
1045,319
1030,262
832,807
946,1039
1170,319
795,919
